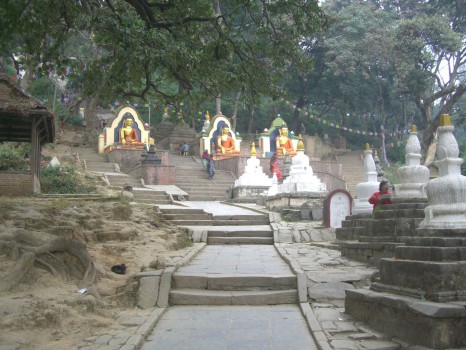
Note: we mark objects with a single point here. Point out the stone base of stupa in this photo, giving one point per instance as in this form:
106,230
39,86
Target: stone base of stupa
249,194
294,200
421,296
429,324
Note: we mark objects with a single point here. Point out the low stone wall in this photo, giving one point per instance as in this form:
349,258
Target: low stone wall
128,159
16,184
154,174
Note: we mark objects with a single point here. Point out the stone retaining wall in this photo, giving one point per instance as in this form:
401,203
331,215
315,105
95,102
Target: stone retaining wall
16,184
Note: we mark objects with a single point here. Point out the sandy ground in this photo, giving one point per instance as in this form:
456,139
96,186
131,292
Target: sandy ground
45,311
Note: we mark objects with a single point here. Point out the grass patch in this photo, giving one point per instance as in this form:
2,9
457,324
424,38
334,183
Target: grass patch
182,241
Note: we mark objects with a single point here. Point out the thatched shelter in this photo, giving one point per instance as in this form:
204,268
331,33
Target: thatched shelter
23,119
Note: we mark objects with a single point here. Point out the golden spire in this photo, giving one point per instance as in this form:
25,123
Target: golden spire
253,150
445,120
375,153
207,116
413,128
367,147
300,143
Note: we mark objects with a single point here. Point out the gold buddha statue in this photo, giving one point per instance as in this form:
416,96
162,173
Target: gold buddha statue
283,143
225,142
129,135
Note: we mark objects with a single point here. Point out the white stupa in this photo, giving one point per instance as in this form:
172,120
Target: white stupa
273,190
253,175
447,193
413,176
365,189
301,177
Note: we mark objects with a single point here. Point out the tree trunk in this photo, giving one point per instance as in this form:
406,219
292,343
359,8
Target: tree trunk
295,120
251,119
218,105
235,111
93,127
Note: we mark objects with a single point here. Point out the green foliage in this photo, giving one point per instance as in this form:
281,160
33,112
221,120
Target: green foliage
42,89
291,216
12,156
63,180
396,154
463,155
390,173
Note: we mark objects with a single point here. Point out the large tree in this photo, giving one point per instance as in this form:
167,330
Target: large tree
429,54
170,50
384,56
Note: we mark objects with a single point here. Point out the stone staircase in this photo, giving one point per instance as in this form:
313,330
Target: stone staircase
192,285
371,239
222,229
98,163
237,289
191,177
224,275
353,169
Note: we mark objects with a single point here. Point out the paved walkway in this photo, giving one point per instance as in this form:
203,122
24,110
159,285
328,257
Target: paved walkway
321,323
273,327
237,259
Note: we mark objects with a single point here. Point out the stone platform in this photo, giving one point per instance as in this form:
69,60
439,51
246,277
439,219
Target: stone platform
378,237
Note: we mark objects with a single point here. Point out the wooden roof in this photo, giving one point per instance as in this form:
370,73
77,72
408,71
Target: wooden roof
19,111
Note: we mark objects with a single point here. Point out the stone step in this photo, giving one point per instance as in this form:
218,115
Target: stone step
151,197
256,218
239,240
216,222
399,213
229,282
349,233
207,197
187,216
396,226
240,233
182,210
186,296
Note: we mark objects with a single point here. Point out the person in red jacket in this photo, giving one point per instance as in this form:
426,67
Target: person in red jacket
383,196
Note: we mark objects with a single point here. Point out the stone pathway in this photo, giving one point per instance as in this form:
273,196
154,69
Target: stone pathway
264,327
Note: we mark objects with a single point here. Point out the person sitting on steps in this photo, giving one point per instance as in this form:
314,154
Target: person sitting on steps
383,196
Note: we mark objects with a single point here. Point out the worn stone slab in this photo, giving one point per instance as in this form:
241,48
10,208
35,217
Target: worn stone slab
165,286
148,291
325,291
379,345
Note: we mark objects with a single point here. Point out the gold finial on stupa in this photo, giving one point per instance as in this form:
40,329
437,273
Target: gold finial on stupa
207,116
445,120
253,150
367,147
375,153
300,143
413,128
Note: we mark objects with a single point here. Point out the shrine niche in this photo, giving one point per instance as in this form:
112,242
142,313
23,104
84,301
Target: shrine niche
219,138
277,140
125,131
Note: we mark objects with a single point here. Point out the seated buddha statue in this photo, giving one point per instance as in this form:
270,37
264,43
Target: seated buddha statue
284,144
225,143
129,135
